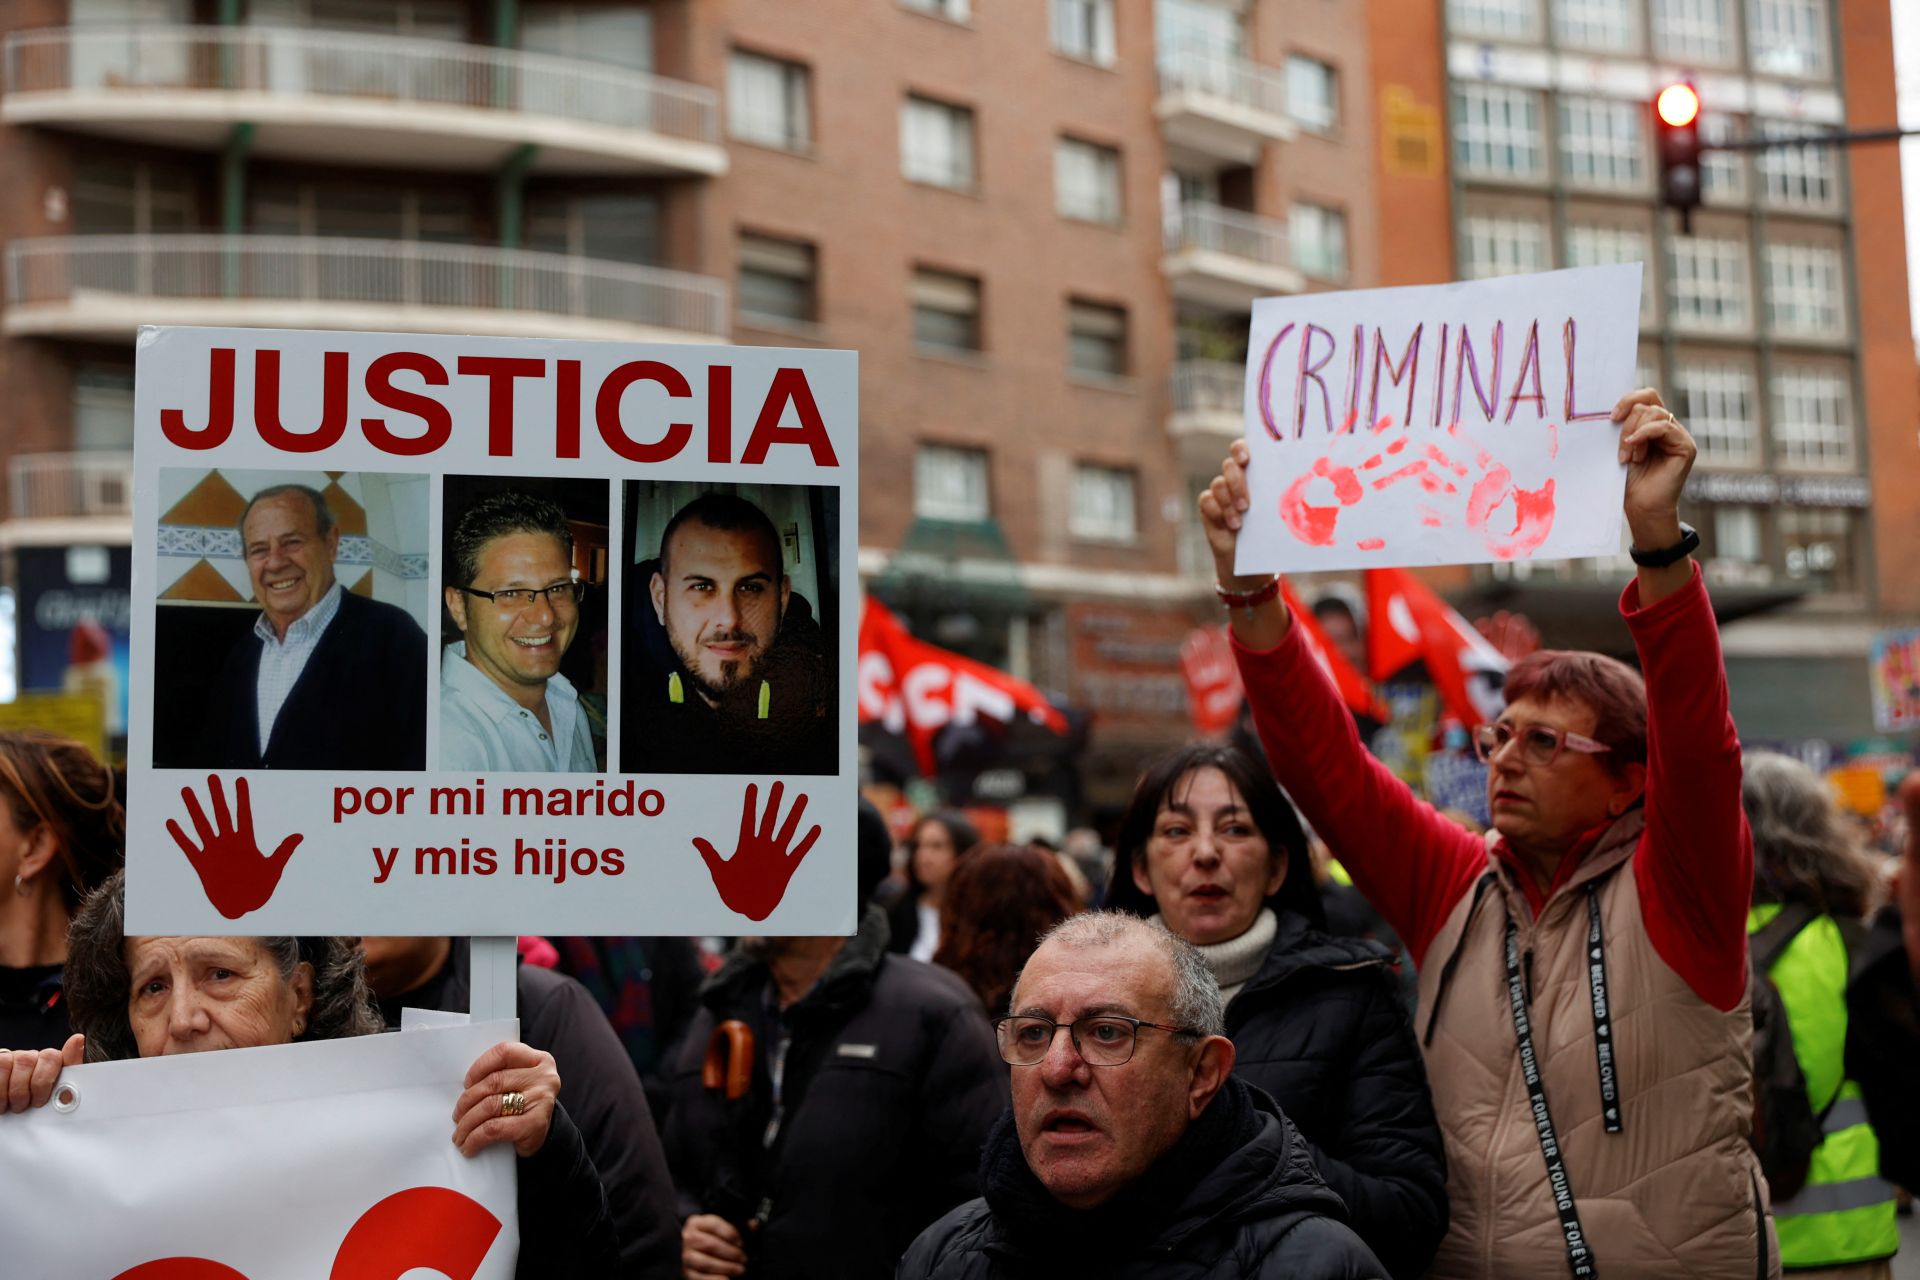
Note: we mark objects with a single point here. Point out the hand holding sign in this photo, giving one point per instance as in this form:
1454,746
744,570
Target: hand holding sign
27,1076
1659,454
755,878
228,860
482,1115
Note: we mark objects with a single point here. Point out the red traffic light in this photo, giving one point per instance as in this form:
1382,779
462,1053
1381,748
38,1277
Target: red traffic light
1678,105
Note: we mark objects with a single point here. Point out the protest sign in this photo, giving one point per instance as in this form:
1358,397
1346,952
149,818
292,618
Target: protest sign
590,666
1893,665
291,1162
1445,424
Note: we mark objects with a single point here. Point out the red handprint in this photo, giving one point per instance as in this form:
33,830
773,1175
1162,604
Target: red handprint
236,877
754,879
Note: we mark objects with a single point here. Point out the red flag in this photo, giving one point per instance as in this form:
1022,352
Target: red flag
1354,689
916,689
1407,620
1213,680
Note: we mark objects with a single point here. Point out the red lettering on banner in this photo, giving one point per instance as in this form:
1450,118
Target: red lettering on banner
500,371
720,414
430,411
566,410
790,387
333,404
606,411
173,422
181,1269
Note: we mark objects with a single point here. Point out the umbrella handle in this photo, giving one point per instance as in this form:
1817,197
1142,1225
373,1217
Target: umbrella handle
728,1065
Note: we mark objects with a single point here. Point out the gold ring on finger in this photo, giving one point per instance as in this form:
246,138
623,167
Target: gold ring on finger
513,1104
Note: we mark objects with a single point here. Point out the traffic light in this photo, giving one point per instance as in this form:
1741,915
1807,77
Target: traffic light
1676,117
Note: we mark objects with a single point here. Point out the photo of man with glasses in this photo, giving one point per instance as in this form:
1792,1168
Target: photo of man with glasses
514,593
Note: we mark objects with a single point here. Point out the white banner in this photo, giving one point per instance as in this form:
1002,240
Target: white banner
294,1162
1445,424
475,695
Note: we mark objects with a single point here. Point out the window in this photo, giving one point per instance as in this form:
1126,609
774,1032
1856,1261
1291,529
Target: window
1787,37
616,228
102,408
952,10
1812,418
1606,25
114,199
936,143
622,36
1503,246
777,279
1086,181
1096,339
1102,503
1737,535
1723,174
1710,285
1083,29
1313,94
767,102
1693,31
1599,246
1318,236
436,19
1602,143
1819,546
946,311
1804,292
1717,400
1795,177
950,483
1197,26
1497,132
1511,19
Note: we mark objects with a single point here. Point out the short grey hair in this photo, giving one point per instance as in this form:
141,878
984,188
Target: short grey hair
1802,848
322,513
1195,1001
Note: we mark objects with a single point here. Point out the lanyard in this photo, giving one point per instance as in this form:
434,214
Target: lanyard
1602,1017
1579,1256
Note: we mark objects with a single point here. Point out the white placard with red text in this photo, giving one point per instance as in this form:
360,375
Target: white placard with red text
291,1162
399,851
1444,424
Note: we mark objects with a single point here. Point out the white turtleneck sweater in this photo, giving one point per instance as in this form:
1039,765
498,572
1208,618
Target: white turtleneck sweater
1235,961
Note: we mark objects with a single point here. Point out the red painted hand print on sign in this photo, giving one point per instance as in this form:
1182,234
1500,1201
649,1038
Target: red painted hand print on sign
754,879
236,876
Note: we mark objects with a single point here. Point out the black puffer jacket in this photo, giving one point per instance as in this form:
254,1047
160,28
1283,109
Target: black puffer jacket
890,1084
1262,1212
1321,1028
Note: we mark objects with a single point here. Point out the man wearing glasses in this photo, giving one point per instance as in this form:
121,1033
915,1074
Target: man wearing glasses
513,594
1130,1149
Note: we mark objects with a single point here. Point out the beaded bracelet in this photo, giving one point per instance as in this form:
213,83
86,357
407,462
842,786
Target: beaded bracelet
1248,599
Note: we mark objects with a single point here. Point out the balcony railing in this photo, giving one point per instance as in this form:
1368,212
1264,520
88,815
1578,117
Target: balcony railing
1216,229
51,486
353,68
1215,73
1209,387
93,272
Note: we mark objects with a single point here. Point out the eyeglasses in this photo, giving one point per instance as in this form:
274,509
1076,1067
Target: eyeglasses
1539,744
1104,1041
559,595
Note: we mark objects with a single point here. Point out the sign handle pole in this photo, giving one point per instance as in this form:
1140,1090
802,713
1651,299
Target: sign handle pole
494,965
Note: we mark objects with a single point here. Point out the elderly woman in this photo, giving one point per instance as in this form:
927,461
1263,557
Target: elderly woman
1211,849
62,831
998,903
934,848
1808,878
147,997
1583,969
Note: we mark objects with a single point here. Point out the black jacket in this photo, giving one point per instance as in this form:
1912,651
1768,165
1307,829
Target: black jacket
1261,1212
33,1008
891,1082
1321,1027
566,1231
360,702
599,1089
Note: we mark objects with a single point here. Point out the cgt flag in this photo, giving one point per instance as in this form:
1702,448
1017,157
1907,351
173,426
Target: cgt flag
916,689
1355,689
1408,622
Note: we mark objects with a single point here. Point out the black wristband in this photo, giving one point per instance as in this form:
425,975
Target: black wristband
1664,556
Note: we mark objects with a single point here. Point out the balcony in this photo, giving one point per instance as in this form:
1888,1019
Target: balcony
1225,258
345,98
102,288
68,486
1209,398
1218,109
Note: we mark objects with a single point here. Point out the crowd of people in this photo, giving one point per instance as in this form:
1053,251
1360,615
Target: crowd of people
1247,1085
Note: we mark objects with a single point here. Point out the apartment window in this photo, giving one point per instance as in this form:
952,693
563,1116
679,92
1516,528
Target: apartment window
1313,94
1796,177
118,199
1717,400
1600,246
1602,142
1804,293
1737,535
102,408
1500,19
767,102
1083,29
1723,174
1103,503
1711,290
1609,26
1318,236
952,10
1812,418
1086,181
950,483
936,143
1497,132
778,279
435,19
1503,246
1787,37
1693,31
621,35
1818,545
614,228
1096,339
946,311
1199,26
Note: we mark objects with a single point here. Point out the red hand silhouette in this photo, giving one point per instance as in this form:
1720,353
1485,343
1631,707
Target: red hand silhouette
754,880
237,879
